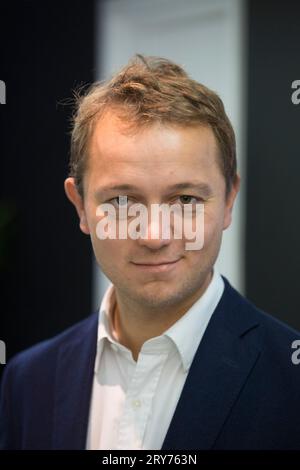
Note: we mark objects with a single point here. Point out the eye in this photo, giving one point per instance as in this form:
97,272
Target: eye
186,199
119,201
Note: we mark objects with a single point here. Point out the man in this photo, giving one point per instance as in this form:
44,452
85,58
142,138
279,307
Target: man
175,358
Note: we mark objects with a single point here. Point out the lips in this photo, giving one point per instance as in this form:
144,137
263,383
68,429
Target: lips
163,266
157,264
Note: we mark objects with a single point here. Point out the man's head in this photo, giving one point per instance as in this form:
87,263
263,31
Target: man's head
146,91
156,136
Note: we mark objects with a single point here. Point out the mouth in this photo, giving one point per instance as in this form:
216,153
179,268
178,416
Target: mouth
163,266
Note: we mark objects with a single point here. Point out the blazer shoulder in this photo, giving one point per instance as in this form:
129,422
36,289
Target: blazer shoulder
45,352
275,329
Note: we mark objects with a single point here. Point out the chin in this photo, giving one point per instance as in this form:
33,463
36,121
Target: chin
158,296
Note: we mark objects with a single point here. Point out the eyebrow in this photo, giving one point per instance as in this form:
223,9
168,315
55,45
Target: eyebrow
204,188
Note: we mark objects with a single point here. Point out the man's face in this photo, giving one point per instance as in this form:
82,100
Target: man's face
151,162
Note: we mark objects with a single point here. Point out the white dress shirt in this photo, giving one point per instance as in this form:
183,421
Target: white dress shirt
133,402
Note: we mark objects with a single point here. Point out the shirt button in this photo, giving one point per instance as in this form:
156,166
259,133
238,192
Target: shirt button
136,403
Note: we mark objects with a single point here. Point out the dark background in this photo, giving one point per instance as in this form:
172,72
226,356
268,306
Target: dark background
273,159
46,50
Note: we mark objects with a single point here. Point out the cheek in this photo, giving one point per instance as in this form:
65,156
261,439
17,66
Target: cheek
106,249
212,240
213,229
111,255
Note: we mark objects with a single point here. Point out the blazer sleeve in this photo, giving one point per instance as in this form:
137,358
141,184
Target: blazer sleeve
7,439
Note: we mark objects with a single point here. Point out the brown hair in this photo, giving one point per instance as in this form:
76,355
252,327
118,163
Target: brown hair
147,90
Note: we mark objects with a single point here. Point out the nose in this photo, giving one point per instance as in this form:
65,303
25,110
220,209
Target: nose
154,234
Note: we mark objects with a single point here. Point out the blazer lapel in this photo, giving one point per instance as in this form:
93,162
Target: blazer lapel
225,357
74,378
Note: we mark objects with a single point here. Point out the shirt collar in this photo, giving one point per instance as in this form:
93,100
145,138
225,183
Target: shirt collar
104,321
191,325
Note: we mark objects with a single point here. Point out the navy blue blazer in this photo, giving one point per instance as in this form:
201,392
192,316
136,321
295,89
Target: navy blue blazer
242,390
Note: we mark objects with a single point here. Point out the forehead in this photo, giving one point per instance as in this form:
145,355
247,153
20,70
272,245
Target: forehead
153,152
112,137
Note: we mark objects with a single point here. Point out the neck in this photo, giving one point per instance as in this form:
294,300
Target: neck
133,325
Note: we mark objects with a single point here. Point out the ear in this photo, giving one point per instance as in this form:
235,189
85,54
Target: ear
230,201
74,196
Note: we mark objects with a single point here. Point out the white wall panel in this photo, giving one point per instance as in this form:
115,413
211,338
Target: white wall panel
207,38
